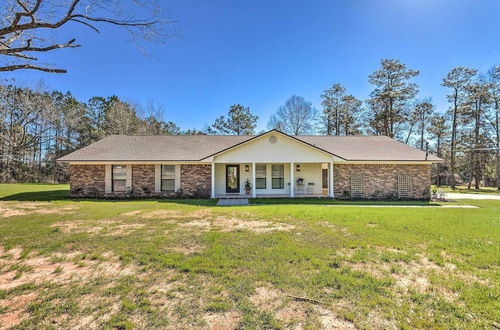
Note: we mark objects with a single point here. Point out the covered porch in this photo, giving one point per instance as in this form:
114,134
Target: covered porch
272,180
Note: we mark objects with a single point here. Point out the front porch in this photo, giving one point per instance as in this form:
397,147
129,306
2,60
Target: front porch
245,196
272,180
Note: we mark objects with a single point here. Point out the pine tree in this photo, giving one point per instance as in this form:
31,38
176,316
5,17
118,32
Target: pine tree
240,121
392,90
457,80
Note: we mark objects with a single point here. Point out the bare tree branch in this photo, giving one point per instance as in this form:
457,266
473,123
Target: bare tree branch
32,67
26,23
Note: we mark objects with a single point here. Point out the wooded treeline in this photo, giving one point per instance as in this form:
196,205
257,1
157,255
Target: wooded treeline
39,126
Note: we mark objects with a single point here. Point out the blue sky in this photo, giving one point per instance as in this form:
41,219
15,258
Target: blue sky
259,53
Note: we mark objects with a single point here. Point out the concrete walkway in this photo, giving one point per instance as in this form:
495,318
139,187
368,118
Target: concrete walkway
471,196
411,206
232,202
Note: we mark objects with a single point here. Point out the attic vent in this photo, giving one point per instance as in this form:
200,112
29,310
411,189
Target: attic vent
273,139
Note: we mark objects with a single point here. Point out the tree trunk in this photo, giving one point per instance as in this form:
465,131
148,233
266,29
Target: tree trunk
438,180
453,138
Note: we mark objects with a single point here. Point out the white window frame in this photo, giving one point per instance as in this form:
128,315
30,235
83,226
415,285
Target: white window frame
168,176
257,177
113,189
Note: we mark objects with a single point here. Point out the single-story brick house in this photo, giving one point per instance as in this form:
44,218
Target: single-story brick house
272,164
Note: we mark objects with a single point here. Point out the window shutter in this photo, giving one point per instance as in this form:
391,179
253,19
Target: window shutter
157,178
129,177
107,179
177,177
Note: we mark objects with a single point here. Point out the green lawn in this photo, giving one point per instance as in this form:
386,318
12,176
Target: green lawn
189,264
464,190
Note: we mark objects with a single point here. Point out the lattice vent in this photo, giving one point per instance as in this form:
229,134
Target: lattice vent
357,186
404,186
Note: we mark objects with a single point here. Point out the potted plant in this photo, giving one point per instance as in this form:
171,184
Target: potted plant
300,181
248,187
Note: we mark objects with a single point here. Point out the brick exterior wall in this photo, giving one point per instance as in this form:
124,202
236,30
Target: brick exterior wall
143,179
196,179
87,180
381,181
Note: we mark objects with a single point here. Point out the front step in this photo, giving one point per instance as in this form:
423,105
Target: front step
232,202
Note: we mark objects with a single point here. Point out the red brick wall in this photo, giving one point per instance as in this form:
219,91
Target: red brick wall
381,181
196,179
87,180
143,179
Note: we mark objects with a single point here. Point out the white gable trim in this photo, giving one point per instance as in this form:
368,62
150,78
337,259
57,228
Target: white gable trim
263,135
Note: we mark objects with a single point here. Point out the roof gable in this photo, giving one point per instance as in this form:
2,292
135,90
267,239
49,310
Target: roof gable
273,146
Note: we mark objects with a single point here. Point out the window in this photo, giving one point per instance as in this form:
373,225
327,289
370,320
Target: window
357,186
404,186
278,176
119,175
260,176
168,178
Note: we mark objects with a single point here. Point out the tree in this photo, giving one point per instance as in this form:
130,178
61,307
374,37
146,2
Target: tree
340,112
477,98
439,131
332,100
25,26
350,115
423,111
457,80
392,90
240,121
296,117
494,115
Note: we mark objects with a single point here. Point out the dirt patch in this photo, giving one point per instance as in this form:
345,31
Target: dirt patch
15,307
122,230
187,250
41,269
132,213
368,267
267,298
329,320
168,214
77,226
293,312
229,224
12,209
6,212
112,227
223,321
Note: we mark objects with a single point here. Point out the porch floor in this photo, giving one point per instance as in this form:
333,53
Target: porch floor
238,196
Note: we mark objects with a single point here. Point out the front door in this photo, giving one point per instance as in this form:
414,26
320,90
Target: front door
232,179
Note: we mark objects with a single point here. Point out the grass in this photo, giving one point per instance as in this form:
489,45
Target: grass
328,201
189,264
465,190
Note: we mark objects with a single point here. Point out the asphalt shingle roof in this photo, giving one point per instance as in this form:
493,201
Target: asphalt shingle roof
198,147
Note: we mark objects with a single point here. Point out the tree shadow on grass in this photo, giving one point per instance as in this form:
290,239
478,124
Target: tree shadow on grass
35,196
63,195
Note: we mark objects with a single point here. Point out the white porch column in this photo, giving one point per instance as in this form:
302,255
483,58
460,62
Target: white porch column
331,190
292,181
254,189
212,195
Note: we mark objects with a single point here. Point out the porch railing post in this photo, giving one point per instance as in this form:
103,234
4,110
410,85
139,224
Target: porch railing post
212,195
254,189
331,189
292,181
